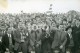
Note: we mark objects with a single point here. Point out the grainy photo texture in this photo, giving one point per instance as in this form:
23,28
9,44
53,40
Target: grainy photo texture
39,26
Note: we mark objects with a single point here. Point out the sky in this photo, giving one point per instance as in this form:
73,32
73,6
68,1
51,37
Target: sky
32,6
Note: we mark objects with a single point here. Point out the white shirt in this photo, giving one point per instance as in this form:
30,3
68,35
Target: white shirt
0,38
70,35
9,35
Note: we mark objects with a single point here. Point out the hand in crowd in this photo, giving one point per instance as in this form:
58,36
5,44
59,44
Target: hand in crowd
37,45
7,49
22,40
61,47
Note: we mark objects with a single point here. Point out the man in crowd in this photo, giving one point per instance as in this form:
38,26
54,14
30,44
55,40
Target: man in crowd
58,44
0,40
46,40
70,42
7,43
20,39
26,31
76,36
2,33
35,40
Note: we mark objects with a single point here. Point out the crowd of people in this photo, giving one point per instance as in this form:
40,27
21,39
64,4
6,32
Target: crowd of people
40,32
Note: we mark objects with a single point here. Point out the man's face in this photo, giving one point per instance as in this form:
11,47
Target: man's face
11,24
53,25
35,28
39,27
9,31
45,27
64,22
61,27
69,30
77,23
27,27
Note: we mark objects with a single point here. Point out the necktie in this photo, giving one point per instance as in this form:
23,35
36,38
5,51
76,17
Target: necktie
10,39
70,36
0,38
35,36
21,36
60,38
27,33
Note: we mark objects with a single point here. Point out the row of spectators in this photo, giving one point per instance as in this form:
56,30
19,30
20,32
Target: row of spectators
43,24
69,18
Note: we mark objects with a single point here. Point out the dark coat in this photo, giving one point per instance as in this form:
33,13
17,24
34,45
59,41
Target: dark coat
20,45
76,38
6,42
70,42
76,35
46,42
17,39
59,39
1,40
35,38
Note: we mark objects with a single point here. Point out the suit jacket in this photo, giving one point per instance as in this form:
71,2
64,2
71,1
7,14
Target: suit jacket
6,42
17,39
59,39
35,38
46,42
76,35
68,41
1,40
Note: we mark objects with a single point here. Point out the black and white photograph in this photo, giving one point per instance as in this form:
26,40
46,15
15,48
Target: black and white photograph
39,26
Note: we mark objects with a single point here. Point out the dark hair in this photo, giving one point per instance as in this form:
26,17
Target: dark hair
69,27
65,20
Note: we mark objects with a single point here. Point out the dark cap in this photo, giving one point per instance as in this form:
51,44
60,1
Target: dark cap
68,28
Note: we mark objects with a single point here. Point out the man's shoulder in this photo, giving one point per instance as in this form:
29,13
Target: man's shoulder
64,33
16,31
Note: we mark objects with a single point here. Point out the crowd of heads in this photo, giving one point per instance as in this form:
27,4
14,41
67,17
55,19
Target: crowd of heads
34,21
